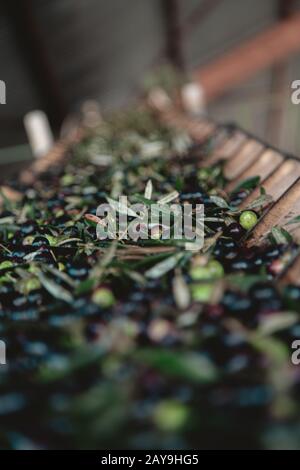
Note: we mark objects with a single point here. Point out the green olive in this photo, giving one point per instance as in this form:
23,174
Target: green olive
213,270
103,297
202,292
248,219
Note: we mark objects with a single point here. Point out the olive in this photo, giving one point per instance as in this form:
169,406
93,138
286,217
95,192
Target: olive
273,252
238,197
263,291
213,270
265,297
291,296
248,219
138,296
34,296
197,196
44,255
78,269
38,242
103,297
26,314
18,255
29,227
202,292
235,231
240,264
234,302
230,255
224,246
17,239
257,261
20,301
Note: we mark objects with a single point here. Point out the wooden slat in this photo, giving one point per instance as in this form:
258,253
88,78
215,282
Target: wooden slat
268,161
242,160
279,214
228,148
278,182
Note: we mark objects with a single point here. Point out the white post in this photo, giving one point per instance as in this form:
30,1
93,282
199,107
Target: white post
2,353
39,133
2,92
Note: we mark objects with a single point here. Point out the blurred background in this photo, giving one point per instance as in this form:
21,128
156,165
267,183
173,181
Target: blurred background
54,54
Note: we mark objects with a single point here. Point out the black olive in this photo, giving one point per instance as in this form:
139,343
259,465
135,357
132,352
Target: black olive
235,231
238,197
38,242
195,197
17,239
273,252
18,255
35,296
265,297
44,255
263,291
224,246
234,302
29,227
291,295
78,269
241,264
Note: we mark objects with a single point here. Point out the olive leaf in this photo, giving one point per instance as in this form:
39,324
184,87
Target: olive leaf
55,289
248,183
164,266
148,190
190,366
281,236
219,201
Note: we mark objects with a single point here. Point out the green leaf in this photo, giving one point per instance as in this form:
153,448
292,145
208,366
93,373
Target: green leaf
248,183
85,286
281,236
295,220
55,289
244,283
277,322
277,352
189,366
219,201
261,201
164,266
